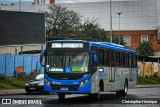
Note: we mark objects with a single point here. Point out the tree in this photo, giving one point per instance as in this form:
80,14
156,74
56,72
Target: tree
115,39
145,49
90,29
60,21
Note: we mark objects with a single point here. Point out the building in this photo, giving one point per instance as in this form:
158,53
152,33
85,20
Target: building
139,19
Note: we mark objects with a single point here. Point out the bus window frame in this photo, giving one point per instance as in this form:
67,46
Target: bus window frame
100,57
106,57
112,59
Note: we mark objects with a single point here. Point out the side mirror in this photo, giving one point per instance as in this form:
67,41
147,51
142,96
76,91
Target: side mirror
42,58
95,58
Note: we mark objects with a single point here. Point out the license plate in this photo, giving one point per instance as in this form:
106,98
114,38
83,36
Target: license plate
64,88
32,88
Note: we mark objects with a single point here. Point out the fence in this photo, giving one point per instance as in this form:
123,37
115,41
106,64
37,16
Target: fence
19,63
148,69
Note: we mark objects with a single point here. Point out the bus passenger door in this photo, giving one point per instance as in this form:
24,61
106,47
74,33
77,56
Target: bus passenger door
131,69
112,74
131,73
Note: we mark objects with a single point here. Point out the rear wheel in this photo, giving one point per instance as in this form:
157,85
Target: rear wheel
118,93
123,92
61,96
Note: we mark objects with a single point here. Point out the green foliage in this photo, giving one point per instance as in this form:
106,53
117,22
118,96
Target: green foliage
151,80
35,73
11,83
90,29
64,23
115,39
21,76
145,49
61,21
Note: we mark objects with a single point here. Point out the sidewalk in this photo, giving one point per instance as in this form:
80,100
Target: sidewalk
12,91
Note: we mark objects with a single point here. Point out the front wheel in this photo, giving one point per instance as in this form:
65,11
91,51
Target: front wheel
97,95
61,96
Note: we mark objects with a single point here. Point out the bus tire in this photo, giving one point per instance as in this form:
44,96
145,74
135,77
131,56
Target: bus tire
124,91
97,95
118,93
61,96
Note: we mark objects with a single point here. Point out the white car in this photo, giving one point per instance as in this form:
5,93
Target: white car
35,85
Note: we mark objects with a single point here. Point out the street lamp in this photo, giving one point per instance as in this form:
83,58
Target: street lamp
119,25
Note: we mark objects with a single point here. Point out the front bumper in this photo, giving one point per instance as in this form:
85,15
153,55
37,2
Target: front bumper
34,88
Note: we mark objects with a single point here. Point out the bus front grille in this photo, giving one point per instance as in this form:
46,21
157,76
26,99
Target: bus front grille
68,87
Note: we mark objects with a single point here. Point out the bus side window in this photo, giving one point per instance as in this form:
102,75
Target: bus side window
94,64
122,59
101,57
130,61
117,57
111,60
134,61
126,60
106,58
94,50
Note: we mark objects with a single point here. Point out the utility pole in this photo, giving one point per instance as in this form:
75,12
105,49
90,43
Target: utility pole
119,26
110,20
19,5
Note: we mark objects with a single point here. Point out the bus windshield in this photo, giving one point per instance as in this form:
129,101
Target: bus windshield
68,62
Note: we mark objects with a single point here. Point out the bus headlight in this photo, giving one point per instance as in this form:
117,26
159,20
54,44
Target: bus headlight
84,82
48,83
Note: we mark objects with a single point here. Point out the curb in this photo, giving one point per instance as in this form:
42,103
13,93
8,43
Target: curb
148,86
11,92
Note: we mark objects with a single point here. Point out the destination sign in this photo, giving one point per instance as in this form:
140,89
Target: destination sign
67,45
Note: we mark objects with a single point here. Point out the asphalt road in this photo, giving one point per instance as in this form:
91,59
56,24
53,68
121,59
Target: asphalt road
139,96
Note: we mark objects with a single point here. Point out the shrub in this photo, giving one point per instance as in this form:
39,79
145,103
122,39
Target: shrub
21,76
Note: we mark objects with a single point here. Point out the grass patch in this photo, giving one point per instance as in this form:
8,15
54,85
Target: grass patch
13,83
19,83
146,81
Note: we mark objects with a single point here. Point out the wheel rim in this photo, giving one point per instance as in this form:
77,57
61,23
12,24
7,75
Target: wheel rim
125,89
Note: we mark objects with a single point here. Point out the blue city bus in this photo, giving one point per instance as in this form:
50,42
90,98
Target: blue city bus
86,67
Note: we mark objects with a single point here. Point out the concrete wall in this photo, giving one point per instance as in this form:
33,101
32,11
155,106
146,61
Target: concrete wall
19,63
158,11
138,17
136,14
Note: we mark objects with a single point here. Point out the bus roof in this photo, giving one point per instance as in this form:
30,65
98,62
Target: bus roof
67,40
114,46
108,45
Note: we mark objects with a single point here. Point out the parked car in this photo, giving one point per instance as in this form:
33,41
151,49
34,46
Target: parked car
35,85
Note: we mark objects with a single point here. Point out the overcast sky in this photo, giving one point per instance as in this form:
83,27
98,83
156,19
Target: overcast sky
17,1
57,1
